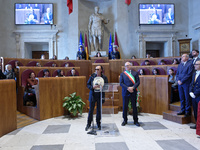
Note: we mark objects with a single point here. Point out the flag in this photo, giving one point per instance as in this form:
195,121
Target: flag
116,43
70,6
81,41
110,49
86,48
128,2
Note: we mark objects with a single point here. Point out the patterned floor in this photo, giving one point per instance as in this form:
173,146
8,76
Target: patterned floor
63,133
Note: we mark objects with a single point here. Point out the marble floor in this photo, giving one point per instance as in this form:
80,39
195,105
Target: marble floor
63,133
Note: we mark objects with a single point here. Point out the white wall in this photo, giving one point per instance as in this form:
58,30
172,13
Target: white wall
123,19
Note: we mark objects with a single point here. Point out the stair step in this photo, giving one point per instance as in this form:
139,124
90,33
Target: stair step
175,106
107,109
172,116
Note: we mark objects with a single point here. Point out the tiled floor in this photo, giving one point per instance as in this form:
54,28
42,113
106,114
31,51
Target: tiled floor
64,133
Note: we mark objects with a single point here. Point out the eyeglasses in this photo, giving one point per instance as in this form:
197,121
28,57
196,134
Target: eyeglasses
97,69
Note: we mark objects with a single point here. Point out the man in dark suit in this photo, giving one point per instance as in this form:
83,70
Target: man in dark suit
195,90
48,17
129,81
95,97
195,54
184,77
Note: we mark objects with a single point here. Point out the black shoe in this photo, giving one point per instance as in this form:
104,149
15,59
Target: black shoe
193,127
181,113
99,127
187,115
87,127
137,124
124,123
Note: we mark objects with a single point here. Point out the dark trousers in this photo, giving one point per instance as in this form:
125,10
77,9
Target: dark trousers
184,97
126,98
195,102
174,94
98,114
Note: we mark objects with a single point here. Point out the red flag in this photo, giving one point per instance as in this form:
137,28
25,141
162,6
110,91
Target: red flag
86,48
70,6
116,43
128,2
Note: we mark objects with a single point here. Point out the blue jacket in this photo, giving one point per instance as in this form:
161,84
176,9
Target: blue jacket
125,82
195,86
184,73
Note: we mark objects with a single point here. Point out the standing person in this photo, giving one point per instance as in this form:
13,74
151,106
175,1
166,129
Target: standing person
81,54
184,76
129,81
195,54
195,90
95,97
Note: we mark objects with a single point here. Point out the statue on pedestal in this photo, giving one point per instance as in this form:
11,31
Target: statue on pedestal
95,29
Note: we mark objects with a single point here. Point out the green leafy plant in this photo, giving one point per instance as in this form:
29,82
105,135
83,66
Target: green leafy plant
137,105
73,103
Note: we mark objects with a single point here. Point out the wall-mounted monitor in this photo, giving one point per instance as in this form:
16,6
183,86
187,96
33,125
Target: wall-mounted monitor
33,13
156,14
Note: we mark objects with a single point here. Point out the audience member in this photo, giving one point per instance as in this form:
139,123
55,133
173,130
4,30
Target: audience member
60,73
147,62
46,73
38,64
29,94
169,17
66,58
81,54
16,68
195,90
155,71
174,86
142,72
114,54
184,76
98,54
175,61
95,97
129,81
195,54
162,62
73,72
133,57
53,65
148,55
67,65
42,56
9,73
54,57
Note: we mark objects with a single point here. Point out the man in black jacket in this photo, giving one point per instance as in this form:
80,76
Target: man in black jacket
95,97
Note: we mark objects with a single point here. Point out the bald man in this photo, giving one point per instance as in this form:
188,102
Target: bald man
129,81
184,77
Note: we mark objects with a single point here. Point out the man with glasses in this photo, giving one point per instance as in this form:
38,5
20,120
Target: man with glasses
95,97
184,76
195,90
129,81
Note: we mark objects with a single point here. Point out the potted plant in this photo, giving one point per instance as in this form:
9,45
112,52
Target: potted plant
137,105
74,104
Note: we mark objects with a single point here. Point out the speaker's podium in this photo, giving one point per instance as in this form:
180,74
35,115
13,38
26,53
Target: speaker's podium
108,127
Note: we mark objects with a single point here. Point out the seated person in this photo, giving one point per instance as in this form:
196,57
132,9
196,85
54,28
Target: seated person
73,72
133,57
175,61
114,54
46,73
147,62
81,54
155,71
38,64
66,58
2,76
162,62
54,57
29,94
60,73
174,86
16,68
155,18
67,65
54,65
148,55
98,54
9,73
142,72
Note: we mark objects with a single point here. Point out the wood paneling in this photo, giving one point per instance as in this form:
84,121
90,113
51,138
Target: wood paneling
93,59
8,113
51,93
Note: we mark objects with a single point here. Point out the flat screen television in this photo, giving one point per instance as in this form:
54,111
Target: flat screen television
156,13
33,13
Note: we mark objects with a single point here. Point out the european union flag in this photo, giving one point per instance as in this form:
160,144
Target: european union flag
110,49
81,42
